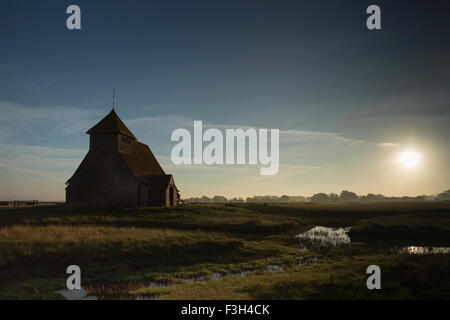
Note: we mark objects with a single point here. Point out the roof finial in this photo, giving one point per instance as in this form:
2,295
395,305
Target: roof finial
114,96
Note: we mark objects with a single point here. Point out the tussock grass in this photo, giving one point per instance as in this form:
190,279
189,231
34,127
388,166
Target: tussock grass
28,245
189,217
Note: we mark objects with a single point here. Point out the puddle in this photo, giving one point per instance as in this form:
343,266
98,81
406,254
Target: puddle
144,298
216,276
424,250
241,274
193,279
154,284
81,294
323,237
158,285
302,260
274,267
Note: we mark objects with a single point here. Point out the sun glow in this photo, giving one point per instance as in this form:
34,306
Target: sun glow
409,159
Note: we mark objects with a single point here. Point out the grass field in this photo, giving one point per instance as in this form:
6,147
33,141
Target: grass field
201,249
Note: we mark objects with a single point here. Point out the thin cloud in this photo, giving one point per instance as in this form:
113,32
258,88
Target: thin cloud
388,145
18,120
173,122
32,162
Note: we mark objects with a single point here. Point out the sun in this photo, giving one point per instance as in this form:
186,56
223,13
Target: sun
409,159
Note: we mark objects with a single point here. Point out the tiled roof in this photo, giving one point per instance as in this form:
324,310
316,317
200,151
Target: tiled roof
142,162
111,124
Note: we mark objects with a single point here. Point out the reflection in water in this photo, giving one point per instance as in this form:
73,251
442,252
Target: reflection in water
425,250
158,285
146,297
216,275
241,274
323,237
274,267
302,260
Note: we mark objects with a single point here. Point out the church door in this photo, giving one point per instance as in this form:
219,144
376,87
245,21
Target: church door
143,195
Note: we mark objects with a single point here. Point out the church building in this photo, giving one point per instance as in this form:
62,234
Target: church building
119,171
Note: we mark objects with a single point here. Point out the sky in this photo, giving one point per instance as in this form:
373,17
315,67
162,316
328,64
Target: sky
347,100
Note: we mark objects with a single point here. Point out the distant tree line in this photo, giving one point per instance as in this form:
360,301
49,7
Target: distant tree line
344,196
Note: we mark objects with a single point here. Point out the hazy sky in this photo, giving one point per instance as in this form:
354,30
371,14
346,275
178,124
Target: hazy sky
346,100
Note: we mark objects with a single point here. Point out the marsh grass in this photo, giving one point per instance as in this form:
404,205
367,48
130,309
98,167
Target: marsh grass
30,245
404,277
412,229
187,217
122,251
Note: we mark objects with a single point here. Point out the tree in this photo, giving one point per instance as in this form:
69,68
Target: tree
205,199
219,199
443,195
334,197
381,197
349,196
237,200
369,197
320,197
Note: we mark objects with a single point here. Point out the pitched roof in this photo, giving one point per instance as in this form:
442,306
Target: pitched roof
141,161
158,182
111,124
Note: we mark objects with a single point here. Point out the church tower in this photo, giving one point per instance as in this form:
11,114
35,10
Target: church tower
110,135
